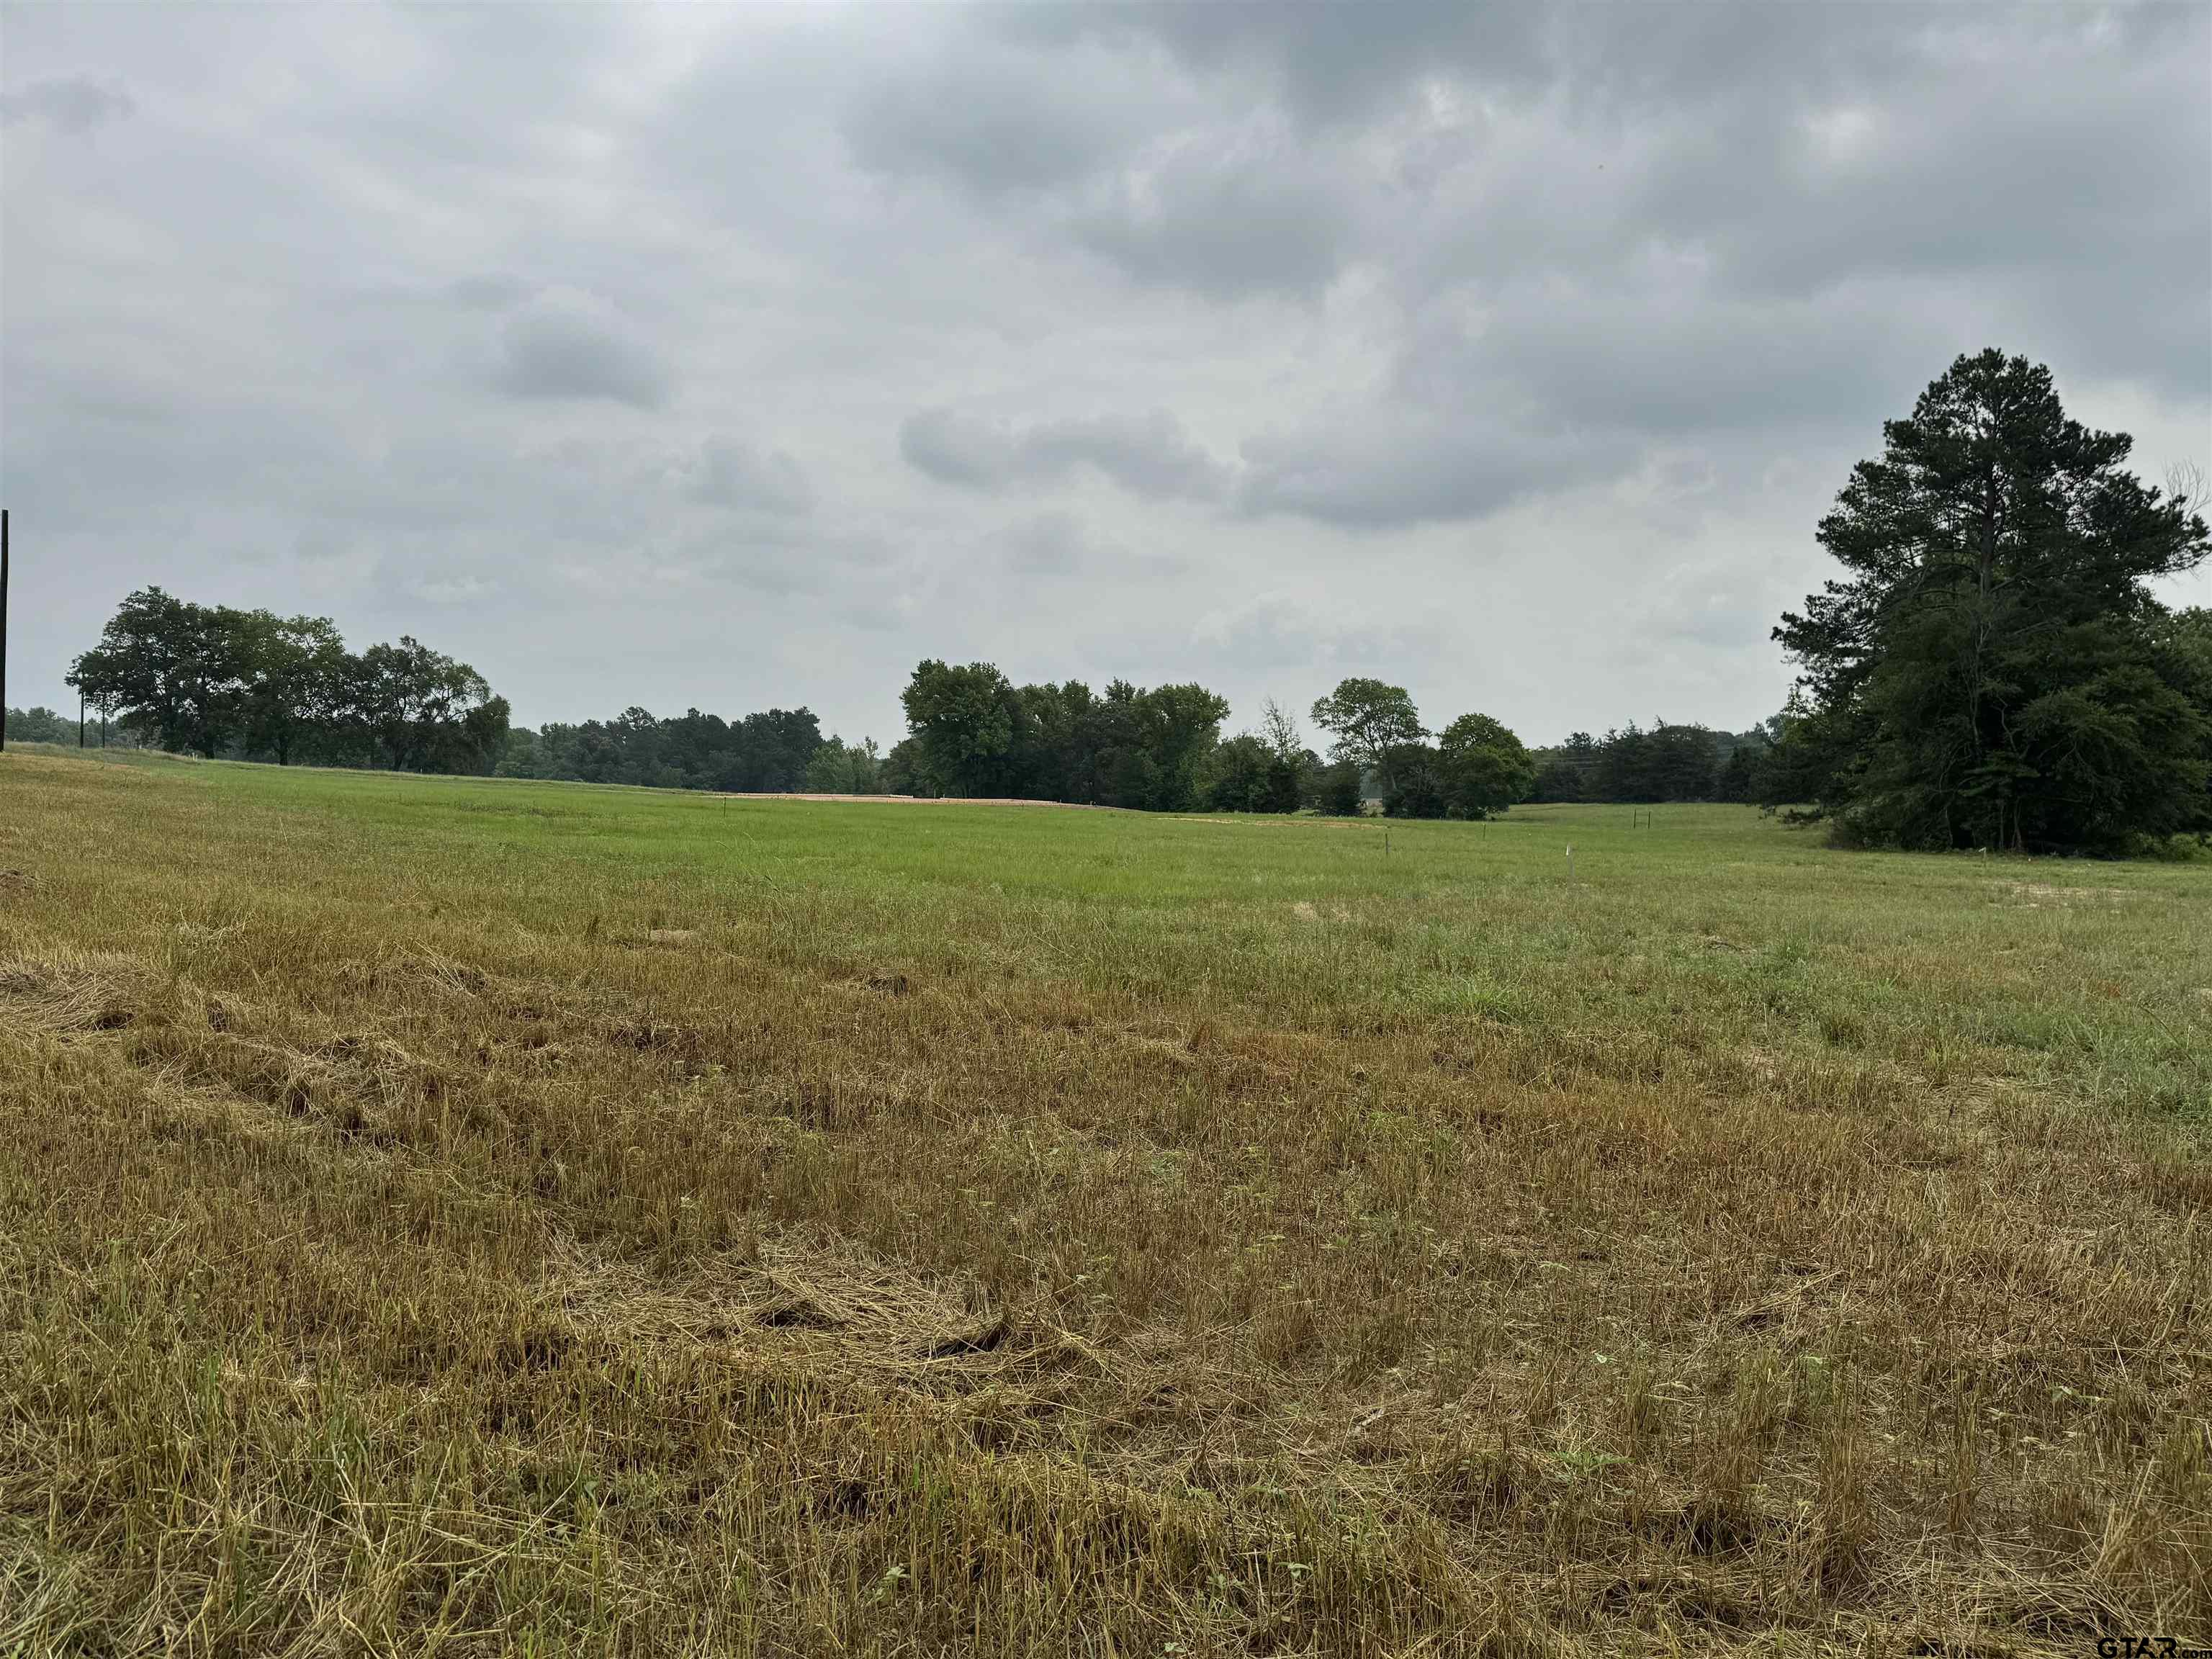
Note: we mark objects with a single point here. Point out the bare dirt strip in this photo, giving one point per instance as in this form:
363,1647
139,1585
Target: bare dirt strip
911,800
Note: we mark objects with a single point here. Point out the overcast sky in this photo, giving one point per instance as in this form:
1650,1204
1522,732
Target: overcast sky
732,356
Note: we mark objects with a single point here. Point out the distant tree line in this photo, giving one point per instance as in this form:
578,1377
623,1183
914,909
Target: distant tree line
972,732
210,680
1668,762
252,685
40,724
778,750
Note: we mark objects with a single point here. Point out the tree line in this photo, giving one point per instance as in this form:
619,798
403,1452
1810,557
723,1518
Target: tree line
212,680
1993,670
1668,762
40,724
771,752
972,732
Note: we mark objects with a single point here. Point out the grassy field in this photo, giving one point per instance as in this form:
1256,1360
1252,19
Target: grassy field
458,1217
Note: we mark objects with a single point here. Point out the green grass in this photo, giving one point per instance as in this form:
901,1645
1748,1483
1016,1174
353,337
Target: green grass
457,1215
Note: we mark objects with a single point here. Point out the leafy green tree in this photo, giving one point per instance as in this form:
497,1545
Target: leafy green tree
1130,778
840,768
1178,727
294,680
174,671
1989,671
965,721
1238,775
40,724
1415,788
1738,779
1056,743
1338,792
1482,767
906,770
1806,749
2184,641
522,756
419,710
1368,721
1565,774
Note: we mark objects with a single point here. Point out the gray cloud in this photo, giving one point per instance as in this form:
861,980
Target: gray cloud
1234,215
731,473
1385,467
1059,544
1149,455
76,105
1049,545
1275,636
491,291
996,119
1509,351
571,349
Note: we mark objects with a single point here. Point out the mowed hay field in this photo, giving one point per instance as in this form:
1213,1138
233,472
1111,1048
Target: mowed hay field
467,1218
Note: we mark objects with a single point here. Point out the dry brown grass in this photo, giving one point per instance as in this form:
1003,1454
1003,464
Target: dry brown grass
457,1218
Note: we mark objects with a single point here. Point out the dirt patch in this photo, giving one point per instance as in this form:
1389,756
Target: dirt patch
916,800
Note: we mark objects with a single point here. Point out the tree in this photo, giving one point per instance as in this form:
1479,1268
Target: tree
1129,778
1368,719
1989,671
1565,774
294,675
963,719
421,711
1237,775
173,671
1482,767
1292,766
1338,792
1179,725
906,772
841,768
1416,783
39,723
1055,742
2185,639
1738,778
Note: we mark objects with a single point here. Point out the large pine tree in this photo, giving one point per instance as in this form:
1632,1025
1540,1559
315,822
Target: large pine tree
1993,671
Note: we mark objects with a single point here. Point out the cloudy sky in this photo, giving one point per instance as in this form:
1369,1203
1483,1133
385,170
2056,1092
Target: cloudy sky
728,357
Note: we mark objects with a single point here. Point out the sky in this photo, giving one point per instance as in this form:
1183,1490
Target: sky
731,357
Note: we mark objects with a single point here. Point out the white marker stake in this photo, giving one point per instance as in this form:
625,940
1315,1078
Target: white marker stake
1571,863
